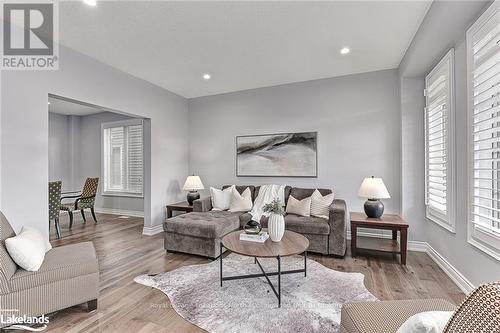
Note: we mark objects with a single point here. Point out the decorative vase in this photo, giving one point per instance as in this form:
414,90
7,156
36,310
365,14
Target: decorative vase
253,228
276,227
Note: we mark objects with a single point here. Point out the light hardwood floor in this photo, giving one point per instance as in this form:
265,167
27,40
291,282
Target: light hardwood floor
125,253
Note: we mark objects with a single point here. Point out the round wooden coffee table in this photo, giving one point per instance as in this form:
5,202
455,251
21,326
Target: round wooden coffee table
291,244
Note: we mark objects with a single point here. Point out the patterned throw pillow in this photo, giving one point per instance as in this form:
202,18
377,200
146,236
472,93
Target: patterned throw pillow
320,205
240,202
299,207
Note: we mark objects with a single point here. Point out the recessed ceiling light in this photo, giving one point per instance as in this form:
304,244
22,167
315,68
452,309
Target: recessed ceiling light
48,103
344,50
207,76
92,3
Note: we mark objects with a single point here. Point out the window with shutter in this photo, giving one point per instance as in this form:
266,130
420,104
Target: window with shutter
123,158
483,47
439,149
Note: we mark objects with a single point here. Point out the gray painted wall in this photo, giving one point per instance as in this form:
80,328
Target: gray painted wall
60,152
24,133
73,163
357,119
474,264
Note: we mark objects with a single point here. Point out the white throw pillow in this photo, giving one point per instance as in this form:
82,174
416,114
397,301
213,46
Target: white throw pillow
299,207
426,322
241,202
320,205
28,248
220,198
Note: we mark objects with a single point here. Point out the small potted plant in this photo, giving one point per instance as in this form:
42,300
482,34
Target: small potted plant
276,223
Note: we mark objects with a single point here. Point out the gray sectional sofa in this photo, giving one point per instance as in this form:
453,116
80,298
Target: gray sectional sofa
200,232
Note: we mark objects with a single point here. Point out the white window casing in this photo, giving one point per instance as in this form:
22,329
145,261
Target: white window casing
439,120
123,158
483,74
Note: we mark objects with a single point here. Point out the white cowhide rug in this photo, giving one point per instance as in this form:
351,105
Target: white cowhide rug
308,304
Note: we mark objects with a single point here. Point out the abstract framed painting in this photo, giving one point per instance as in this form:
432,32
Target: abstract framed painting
277,155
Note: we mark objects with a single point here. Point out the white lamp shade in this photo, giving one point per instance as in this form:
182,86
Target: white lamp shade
373,188
193,183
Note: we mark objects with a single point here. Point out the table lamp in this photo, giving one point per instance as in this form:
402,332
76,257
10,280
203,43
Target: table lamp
373,189
193,184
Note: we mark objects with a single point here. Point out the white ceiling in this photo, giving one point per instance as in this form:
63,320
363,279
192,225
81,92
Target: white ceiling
243,45
70,108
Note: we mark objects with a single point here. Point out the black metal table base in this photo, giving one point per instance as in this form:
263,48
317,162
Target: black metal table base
264,274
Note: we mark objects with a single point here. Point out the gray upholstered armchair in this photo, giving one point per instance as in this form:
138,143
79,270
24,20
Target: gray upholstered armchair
68,276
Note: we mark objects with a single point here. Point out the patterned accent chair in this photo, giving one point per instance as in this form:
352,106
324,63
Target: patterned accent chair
85,200
54,204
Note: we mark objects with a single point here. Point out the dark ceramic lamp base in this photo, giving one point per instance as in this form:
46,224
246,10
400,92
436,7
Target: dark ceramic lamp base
192,196
374,208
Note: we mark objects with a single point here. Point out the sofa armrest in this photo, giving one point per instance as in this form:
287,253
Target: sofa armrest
202,205
338,220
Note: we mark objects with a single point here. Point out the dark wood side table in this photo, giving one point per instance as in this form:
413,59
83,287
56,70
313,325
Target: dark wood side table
386,222
178,207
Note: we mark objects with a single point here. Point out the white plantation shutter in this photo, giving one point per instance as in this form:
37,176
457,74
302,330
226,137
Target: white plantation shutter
123,157
483,43
135,160
117,158
438,142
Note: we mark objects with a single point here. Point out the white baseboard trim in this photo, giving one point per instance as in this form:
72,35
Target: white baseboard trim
151,231
134,213
454,274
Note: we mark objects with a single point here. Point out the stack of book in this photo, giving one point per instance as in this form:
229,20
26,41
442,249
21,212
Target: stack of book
257,238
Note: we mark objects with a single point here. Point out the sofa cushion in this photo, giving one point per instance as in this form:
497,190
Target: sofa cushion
303,225
387,316
241,202
307,225
320,204
213,224
299,207
60,263
428,321
220,198
28,248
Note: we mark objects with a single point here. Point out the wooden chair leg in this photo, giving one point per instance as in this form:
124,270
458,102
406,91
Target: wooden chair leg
92,305
93,214
83,215
58,227
70,218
